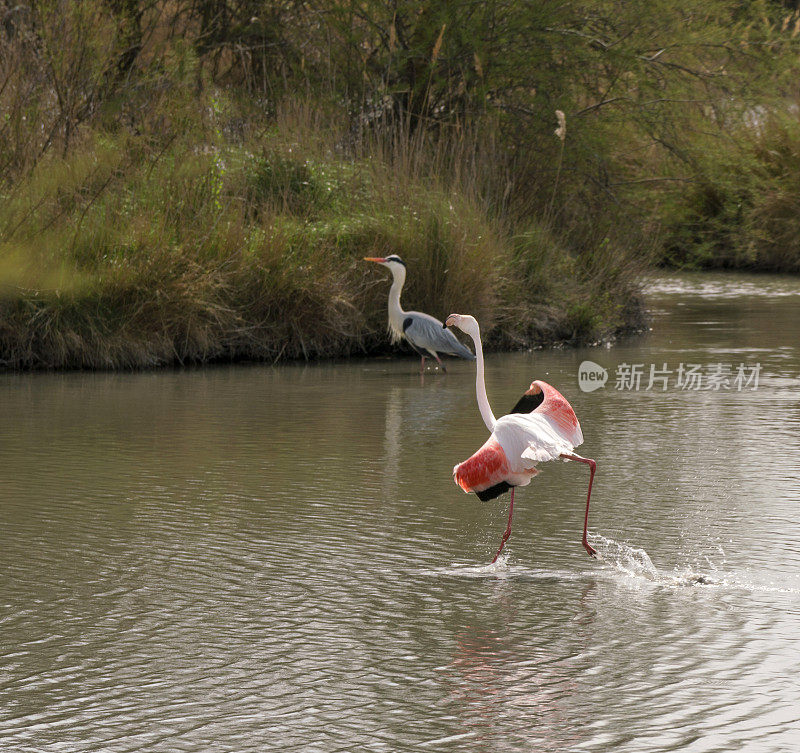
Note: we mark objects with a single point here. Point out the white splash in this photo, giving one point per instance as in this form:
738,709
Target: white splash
635,563
630,560
498,569
501,570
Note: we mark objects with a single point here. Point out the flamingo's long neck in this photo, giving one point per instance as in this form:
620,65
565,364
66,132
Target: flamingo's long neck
480,384
396,313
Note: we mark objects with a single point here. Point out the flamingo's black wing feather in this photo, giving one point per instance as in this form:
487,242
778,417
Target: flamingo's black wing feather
528,403
493,491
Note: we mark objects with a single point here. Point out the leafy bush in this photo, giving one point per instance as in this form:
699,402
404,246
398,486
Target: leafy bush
120,255
743,210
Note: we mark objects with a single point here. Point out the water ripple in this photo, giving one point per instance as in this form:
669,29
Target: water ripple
219,561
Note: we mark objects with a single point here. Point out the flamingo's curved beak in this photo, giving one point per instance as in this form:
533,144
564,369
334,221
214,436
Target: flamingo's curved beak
378,259
449,322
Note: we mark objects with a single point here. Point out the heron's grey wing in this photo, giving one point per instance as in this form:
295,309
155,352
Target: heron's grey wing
426,332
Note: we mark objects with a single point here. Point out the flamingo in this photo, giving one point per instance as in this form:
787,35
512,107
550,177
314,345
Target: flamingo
541,426
424,333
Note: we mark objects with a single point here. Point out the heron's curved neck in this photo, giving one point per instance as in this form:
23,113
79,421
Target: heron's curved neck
398,280
480,384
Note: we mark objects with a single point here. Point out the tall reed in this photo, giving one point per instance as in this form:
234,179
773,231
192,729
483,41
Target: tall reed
129,253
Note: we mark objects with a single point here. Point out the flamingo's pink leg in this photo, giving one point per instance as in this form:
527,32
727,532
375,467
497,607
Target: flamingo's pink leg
441,365
508,528
592,467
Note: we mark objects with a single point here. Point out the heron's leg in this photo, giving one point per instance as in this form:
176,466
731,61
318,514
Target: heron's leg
422,365
592,467
508,527
441,365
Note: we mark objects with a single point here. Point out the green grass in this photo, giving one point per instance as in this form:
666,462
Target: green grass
131,254
743,211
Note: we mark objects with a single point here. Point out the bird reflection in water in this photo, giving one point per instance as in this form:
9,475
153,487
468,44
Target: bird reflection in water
506,699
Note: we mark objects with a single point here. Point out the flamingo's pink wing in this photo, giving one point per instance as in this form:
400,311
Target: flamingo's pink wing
546,400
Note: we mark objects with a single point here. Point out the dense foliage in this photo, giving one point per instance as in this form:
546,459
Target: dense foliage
196,179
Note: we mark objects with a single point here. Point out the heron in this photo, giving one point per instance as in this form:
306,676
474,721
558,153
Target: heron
541,426
424,333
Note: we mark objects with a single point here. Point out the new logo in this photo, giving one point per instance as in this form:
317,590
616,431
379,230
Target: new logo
591,376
